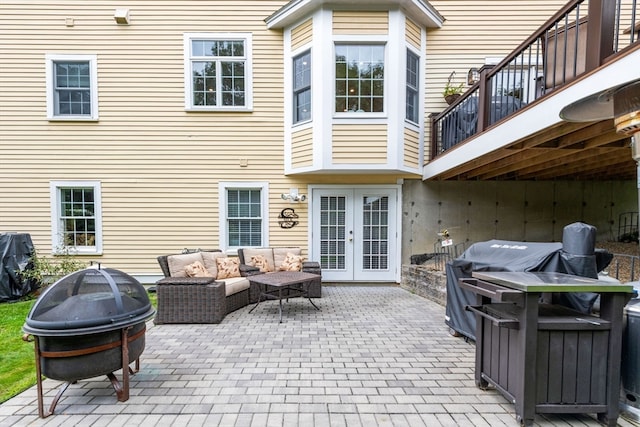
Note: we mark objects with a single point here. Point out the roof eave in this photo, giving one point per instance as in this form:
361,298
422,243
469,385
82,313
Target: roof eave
420,11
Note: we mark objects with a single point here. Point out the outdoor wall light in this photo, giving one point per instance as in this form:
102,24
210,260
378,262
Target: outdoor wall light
121,16
293,197
473,76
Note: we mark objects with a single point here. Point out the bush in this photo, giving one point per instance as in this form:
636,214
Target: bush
43,271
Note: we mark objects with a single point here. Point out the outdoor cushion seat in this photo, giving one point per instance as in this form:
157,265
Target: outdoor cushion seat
272,259
185,296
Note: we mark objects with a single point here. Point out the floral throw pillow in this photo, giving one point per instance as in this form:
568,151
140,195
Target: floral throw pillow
228,267
196,269
291,263
261,262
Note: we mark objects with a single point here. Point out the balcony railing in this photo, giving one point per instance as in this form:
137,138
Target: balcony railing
550,58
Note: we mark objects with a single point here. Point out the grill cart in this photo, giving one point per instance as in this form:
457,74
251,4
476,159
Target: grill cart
548,358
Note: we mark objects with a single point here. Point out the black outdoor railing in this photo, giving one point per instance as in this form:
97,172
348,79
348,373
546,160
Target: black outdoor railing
550,58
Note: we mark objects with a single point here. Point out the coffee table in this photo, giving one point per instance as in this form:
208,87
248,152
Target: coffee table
283,285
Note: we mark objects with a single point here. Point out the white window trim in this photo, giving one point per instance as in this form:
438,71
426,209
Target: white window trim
222,193
57,246
292,91
416,52
361,40
188,83
50,86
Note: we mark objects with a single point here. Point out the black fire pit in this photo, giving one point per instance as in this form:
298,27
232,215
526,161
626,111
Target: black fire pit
87,324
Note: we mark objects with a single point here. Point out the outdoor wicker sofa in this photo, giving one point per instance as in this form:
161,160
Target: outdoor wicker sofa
276,259
199,299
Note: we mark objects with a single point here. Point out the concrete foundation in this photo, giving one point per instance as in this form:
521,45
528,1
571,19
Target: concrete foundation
475,211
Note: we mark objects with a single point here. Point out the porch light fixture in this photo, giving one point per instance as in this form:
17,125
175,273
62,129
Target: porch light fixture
473,76
293,196
121,16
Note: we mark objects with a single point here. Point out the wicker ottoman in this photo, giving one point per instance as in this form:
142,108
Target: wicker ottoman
190,300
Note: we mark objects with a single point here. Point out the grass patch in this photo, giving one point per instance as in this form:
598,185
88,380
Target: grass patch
17,358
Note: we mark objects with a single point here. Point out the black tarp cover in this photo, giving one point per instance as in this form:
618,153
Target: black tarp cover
492,255
505,255
15,252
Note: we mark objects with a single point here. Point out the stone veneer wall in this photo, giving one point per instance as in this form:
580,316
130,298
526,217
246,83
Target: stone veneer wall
425,281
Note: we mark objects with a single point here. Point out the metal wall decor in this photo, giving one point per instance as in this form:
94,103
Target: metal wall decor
287,218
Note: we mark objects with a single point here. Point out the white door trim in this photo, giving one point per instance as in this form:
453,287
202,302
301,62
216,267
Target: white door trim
398,216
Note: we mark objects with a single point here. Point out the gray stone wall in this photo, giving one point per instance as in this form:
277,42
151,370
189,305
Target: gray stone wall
426,282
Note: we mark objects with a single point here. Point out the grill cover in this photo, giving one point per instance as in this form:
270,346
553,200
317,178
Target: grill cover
15,253
89,301
575,255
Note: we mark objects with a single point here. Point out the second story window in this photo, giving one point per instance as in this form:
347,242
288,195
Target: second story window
302,87
359,78
72,92
218,71
412,87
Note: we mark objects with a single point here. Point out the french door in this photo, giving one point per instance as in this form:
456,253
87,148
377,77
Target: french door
354,233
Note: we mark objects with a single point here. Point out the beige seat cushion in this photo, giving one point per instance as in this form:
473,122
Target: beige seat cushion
279,254
267,253
177,263
234,285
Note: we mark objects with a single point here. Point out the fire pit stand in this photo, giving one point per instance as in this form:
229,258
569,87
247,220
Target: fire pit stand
89,323
122,390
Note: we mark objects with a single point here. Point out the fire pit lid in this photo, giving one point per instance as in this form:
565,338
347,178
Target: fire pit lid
89,301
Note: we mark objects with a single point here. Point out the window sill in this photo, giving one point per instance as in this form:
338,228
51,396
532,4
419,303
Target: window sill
72,119
219,110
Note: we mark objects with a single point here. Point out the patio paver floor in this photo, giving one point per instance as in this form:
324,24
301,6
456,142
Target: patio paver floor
373,356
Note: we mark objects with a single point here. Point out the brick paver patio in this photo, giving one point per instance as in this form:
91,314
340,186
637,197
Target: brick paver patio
373,356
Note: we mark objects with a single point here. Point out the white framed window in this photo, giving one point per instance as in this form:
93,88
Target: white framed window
72,87
359,78
76,217
218,71
244,211
302,87
412,89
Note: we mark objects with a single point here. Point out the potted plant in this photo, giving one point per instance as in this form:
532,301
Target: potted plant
452,91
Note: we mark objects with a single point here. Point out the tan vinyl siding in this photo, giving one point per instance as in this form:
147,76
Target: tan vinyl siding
411,148
302,148
360,22
360,144
159,166
412,33
302,34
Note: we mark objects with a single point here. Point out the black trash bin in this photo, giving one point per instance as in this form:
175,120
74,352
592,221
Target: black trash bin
15,253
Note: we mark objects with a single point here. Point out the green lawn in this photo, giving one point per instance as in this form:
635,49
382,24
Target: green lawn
17,359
